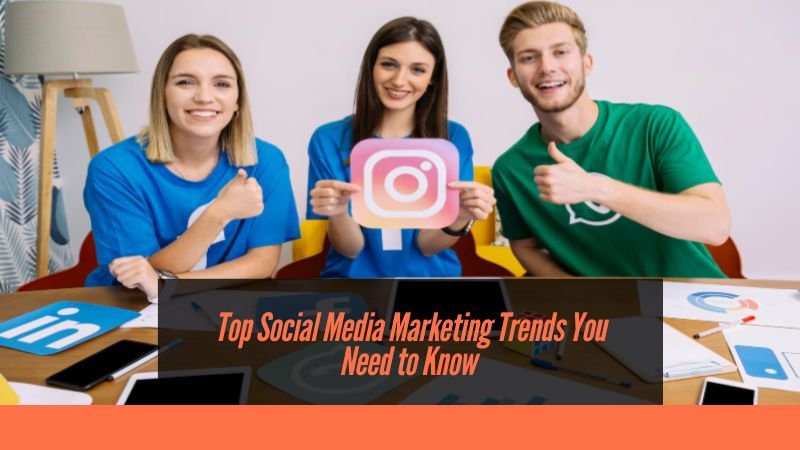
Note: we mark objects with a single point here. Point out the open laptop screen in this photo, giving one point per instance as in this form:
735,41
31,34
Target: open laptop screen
482,298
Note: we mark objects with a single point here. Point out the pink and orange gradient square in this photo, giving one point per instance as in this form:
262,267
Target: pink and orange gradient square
404,183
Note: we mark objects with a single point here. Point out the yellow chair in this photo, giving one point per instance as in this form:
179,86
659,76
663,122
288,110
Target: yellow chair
485,232
312,238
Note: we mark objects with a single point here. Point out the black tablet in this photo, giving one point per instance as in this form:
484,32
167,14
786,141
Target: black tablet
483,298
225,386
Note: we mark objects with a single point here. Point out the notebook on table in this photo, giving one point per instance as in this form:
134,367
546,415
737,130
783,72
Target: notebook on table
682,357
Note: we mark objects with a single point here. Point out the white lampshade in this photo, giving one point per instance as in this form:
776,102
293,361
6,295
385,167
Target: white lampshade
66,37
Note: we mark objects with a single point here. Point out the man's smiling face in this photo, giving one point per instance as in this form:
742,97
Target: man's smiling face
548,67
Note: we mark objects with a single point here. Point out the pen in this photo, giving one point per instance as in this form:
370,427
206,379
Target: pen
198,308
174,343
723,327
550,366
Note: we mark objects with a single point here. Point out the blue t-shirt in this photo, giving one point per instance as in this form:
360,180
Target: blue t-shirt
138,207
328,151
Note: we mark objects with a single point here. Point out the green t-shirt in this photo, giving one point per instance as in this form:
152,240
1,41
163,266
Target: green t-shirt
643,145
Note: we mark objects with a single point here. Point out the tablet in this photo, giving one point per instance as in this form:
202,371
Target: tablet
222,386
483,298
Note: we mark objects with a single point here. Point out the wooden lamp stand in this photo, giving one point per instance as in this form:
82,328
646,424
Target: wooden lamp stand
80,91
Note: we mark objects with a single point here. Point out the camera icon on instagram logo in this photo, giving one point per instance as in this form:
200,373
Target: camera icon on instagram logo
404,183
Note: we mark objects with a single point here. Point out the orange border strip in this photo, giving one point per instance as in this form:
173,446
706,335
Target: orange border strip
371,426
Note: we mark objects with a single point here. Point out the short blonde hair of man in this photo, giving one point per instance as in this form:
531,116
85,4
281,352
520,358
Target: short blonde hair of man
534,14
237,138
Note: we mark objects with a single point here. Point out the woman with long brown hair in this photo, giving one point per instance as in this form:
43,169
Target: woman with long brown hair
401,93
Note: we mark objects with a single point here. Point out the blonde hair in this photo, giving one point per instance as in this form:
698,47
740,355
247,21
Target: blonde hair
534,14
237,138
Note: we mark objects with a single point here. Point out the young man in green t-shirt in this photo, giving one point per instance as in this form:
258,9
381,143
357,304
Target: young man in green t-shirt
598,188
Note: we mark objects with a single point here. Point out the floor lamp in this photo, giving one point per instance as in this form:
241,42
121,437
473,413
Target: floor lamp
58,39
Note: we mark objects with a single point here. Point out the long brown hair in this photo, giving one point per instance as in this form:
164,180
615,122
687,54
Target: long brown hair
430,114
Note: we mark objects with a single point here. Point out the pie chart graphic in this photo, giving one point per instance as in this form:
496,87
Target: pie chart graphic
721,302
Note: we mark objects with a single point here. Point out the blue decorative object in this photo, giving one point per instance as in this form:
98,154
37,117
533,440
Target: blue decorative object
61,325
20,124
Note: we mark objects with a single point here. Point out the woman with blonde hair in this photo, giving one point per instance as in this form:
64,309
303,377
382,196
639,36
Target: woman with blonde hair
195,194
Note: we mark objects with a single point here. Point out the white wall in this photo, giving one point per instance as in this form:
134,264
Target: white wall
729,67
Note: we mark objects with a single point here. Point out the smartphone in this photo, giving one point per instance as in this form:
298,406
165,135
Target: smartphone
91,371
718,391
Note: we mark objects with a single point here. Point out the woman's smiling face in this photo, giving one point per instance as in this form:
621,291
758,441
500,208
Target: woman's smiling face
201,94
402,73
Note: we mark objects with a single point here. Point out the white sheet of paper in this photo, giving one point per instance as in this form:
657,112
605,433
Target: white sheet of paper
684,357
681,356
31,394
147,319
781,343
392,238
728,303
793,361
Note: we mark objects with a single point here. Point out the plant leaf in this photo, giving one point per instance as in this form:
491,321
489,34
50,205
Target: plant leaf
16,123
8,179
22,209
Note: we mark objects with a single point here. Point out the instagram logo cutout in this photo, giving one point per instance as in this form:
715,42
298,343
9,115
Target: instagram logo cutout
404,183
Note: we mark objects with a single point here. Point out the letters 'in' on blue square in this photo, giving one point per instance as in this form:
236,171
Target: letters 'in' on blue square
59,326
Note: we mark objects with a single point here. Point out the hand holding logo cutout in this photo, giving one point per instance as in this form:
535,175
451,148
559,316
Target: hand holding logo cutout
330,197
405,183
476,200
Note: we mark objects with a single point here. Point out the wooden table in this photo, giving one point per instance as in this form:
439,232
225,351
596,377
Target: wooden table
28,368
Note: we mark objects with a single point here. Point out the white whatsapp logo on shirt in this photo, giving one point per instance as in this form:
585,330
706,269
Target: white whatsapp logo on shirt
590,213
